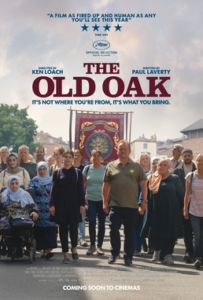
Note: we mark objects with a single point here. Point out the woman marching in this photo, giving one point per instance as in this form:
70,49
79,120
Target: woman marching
194,195
67,203
44,230
163,217
93,180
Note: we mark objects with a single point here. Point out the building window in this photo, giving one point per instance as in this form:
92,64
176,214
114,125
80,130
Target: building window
145,146
45,149
51,141
38,138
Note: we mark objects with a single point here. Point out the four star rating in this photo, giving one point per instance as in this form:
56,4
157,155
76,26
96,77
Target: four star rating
96,27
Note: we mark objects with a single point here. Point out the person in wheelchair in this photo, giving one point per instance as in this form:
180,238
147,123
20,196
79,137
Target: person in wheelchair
44,230
15,201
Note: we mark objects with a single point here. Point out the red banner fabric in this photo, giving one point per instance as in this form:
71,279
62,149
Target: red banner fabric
98,132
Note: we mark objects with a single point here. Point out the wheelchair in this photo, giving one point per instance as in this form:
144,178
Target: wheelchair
16,244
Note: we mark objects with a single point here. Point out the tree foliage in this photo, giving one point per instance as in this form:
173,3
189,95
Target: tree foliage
16,128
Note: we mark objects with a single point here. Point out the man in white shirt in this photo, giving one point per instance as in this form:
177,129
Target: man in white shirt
175,161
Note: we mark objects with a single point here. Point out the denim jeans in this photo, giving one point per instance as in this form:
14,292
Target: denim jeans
197,227
94,208
81,228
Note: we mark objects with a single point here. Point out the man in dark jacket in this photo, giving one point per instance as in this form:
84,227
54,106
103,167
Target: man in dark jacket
188,166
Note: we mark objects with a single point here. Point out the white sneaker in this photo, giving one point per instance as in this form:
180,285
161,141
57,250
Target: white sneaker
83,243
168,259
156,255
198,264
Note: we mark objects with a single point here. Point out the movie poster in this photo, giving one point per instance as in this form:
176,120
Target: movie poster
140,57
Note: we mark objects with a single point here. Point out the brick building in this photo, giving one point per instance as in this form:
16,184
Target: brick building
192,138
49,142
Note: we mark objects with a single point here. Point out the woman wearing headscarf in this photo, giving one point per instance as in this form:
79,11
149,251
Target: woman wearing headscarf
15,200
13,168
163,217
44,230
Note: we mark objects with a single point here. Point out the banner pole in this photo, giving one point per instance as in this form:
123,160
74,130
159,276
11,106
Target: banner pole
70,130
130,126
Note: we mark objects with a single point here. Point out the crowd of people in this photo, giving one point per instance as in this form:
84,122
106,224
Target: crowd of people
157,200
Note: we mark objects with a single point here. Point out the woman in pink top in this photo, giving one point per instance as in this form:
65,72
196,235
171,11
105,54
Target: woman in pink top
194,195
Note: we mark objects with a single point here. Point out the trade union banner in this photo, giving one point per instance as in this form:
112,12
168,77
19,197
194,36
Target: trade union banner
98,132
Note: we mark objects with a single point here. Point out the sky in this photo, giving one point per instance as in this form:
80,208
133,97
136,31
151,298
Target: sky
172,40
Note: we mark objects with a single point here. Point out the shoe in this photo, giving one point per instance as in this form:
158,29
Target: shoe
156,256
99,251
91,250
49,255
128,262
144,246
66,261
83,243
136,252
107,219
75,256
187,258
150,251
198,264
168,259
112,259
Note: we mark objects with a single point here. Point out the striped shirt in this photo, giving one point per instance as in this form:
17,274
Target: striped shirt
196,201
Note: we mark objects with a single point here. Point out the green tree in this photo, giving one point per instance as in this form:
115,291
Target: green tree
16,128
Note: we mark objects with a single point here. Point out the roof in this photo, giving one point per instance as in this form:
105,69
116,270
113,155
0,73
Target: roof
195,126
161,153
59,141
165,146
143,139
45,134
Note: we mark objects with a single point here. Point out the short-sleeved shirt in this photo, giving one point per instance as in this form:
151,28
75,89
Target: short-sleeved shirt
196,201
30,167
94,178
124,182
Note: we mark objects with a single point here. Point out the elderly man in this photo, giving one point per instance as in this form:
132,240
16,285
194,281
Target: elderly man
188,166
4,152
39,154
121,178
30,166
175,161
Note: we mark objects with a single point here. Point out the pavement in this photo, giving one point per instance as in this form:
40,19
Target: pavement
91,277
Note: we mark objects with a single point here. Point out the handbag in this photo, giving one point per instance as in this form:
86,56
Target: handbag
51,218
21,222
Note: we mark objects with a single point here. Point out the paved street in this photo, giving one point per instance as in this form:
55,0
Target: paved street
144,280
